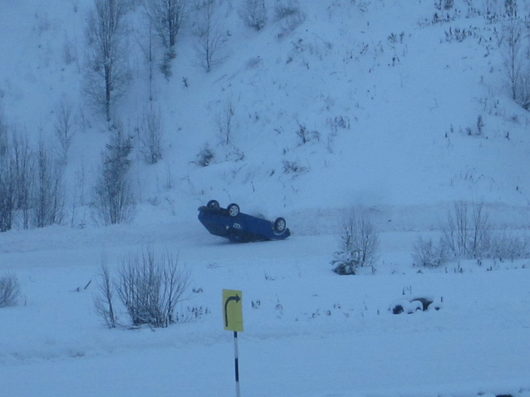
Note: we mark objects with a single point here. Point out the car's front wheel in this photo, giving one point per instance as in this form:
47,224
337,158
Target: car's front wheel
233,209
280,225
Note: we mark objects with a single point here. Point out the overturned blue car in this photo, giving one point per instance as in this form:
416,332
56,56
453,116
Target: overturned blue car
231,223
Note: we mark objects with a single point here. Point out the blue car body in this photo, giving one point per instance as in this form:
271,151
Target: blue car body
241,227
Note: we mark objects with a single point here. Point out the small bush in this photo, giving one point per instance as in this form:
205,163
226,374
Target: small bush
114,196
9,291
149,286
104,300
205,156
286,8
358,245
290,15
254,14
428,254
467,232
150,137
508,247
305,135
293,167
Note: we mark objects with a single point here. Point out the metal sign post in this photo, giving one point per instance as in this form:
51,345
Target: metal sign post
233,321
236,362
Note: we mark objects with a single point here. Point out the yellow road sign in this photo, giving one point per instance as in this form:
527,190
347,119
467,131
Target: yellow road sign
233,310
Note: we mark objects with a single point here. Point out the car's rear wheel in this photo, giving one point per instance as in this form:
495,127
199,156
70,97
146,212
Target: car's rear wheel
280,225
233,209
213,204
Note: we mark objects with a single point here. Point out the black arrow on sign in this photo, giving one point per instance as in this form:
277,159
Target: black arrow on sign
230,298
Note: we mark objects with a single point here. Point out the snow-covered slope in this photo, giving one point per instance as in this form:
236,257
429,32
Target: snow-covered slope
387,100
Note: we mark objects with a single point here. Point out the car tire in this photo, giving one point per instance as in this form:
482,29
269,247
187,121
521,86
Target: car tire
233,209
280,225
213,205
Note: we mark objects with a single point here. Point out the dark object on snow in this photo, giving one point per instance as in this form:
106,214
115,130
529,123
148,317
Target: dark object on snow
413,305
425,302
398,309
229,222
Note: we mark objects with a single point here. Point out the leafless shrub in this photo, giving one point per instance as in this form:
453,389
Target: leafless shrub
7,180
150,285
7,195
23,168
64,127
48,193
149,133
286,8
225,122
289,14
358,244
166,16
254,14
509,247
9,291
293,167
514,46
467,232
211,40
3,134
104,300
205,156
115,200
107,72
426,253
305,135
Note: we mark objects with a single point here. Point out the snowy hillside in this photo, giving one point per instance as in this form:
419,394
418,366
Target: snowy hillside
404,111
385,99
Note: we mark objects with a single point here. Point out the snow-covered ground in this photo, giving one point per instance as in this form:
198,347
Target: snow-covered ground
390,102
308,332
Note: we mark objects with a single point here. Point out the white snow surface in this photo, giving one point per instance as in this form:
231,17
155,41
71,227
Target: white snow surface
392,118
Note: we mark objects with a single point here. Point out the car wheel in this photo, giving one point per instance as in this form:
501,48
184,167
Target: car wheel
233,209
213,204
279,225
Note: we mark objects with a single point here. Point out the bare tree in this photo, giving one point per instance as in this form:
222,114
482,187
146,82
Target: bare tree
114,196
9,291
515,51
107,72
254,14
510,8
104,300
64,127
146,45
149,133
23,173
48,194
7,195
7,183
3,135
211,40
166,17
225,122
